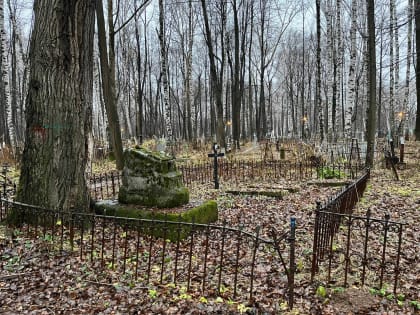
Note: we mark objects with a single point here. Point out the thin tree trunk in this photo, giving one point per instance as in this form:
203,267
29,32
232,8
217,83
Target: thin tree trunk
318,71
164,75
408,65
417,19
392,70
216,83
371,111
108,87
10,126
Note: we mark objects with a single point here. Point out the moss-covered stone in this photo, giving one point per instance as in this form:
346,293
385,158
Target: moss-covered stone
202,214
151,179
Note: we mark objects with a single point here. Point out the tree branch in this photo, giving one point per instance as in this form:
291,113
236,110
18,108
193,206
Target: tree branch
140,9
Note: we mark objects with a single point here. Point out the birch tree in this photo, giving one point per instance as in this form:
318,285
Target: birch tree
9,111
352,71
164,74
410,17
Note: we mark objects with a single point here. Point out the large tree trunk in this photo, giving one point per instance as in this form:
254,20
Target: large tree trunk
59,106
371,110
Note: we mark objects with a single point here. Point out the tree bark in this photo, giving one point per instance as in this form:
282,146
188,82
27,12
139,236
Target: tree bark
417,14
59,106
108,86
164,75
371,110
10,111
318,71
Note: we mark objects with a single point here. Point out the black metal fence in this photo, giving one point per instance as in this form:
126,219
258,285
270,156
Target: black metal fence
105,185
211,259
241,170
355,248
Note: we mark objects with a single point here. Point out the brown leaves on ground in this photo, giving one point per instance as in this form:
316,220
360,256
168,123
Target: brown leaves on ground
34,279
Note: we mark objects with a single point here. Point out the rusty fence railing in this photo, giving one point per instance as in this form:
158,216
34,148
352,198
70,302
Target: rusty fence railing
353,248
241,170
105,185
213,260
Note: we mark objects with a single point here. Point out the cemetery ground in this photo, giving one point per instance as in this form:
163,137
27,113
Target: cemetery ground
36,278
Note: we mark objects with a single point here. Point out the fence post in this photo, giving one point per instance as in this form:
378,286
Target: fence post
291,278
5,166
315,246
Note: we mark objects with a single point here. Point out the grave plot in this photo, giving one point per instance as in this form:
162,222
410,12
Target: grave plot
77,285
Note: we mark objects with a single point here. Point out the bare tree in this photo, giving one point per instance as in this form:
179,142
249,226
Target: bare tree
216,76
371,110
9,106
107,63
417,19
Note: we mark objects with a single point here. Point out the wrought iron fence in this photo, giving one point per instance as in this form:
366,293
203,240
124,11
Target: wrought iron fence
105,185
342,242
211,259
241,170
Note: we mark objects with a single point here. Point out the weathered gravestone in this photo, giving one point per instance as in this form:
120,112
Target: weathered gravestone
151,179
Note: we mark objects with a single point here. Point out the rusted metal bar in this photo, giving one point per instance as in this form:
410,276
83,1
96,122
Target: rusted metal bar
366,238
103,243
397,264
162,263
137,250
106,185
149,262
190,254
125,234
114,240
315,246
383,258
178,237
347,254
206,250
238,246
292,264
254,254
222,251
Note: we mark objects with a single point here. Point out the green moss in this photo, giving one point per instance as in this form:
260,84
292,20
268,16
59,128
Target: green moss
203,214
159,197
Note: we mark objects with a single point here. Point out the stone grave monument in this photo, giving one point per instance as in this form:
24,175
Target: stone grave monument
151,179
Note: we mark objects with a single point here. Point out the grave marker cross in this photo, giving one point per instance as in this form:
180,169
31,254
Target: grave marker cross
215,155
